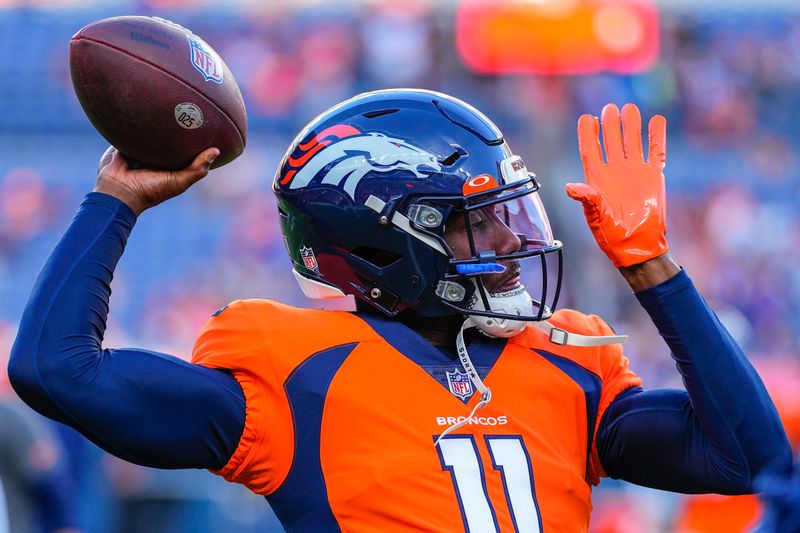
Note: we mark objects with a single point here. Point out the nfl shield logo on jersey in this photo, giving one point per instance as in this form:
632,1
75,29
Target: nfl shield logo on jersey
459,383
309,259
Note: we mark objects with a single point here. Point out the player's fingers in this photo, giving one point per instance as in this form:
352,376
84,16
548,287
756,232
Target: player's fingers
657,130
589,143
199,167
612,132
112,162
106,158
632,132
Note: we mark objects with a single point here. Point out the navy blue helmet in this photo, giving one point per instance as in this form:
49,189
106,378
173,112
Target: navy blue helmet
366,189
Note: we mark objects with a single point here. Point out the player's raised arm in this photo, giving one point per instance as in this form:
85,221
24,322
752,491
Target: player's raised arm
145,407
726,430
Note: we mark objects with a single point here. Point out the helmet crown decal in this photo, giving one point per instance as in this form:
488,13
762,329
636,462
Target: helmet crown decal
348,155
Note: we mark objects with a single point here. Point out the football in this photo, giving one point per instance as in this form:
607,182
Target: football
157,92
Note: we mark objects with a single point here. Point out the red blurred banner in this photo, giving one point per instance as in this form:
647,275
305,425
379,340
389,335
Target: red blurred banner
557,36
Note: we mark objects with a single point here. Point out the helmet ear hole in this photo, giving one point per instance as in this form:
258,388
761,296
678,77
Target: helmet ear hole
375,256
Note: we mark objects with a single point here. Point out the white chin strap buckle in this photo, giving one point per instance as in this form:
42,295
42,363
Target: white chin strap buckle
519,302
565,338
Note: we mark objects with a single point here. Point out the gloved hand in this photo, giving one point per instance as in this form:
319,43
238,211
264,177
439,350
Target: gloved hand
623,199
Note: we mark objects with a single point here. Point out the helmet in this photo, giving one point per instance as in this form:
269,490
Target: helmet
366,190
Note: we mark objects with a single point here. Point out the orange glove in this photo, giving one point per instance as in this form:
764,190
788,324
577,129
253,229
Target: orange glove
624,199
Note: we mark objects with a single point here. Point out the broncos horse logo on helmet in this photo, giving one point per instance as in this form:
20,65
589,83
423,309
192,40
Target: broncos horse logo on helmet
353,156
369,185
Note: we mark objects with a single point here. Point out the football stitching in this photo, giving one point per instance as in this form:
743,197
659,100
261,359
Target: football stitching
117,48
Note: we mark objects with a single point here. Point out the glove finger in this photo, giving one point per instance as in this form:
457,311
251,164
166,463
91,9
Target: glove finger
588,196
612,133
583,193
589,144
632,132
657,130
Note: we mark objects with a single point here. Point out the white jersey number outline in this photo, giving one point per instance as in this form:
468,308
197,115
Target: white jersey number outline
459,455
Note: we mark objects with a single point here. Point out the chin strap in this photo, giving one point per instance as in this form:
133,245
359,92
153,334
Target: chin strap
565,338
469,368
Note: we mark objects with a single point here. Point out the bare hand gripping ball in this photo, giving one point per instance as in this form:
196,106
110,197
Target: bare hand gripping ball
157,92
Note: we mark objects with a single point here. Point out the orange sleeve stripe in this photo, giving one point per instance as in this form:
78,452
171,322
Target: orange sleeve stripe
237,469
611,390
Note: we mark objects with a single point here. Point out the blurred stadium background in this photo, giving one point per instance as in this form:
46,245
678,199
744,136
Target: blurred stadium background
726,74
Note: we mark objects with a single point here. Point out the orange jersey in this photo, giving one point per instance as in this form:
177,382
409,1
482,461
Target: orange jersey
343,411
714,513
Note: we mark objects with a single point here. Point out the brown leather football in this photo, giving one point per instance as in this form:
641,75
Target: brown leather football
157,92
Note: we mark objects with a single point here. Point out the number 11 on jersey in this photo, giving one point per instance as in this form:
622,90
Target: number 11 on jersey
459,455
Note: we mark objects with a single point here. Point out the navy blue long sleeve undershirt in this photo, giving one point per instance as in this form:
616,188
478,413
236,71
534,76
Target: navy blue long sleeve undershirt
157,410
147,408
717,437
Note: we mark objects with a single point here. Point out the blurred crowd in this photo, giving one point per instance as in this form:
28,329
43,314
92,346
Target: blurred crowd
727,81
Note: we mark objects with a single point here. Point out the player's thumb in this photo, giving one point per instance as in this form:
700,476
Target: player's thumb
199,167
588,196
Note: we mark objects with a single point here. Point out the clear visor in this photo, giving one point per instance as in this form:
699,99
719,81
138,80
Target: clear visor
526,216
521,209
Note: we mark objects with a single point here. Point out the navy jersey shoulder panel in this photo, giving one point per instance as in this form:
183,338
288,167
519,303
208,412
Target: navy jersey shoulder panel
301,503
589,382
